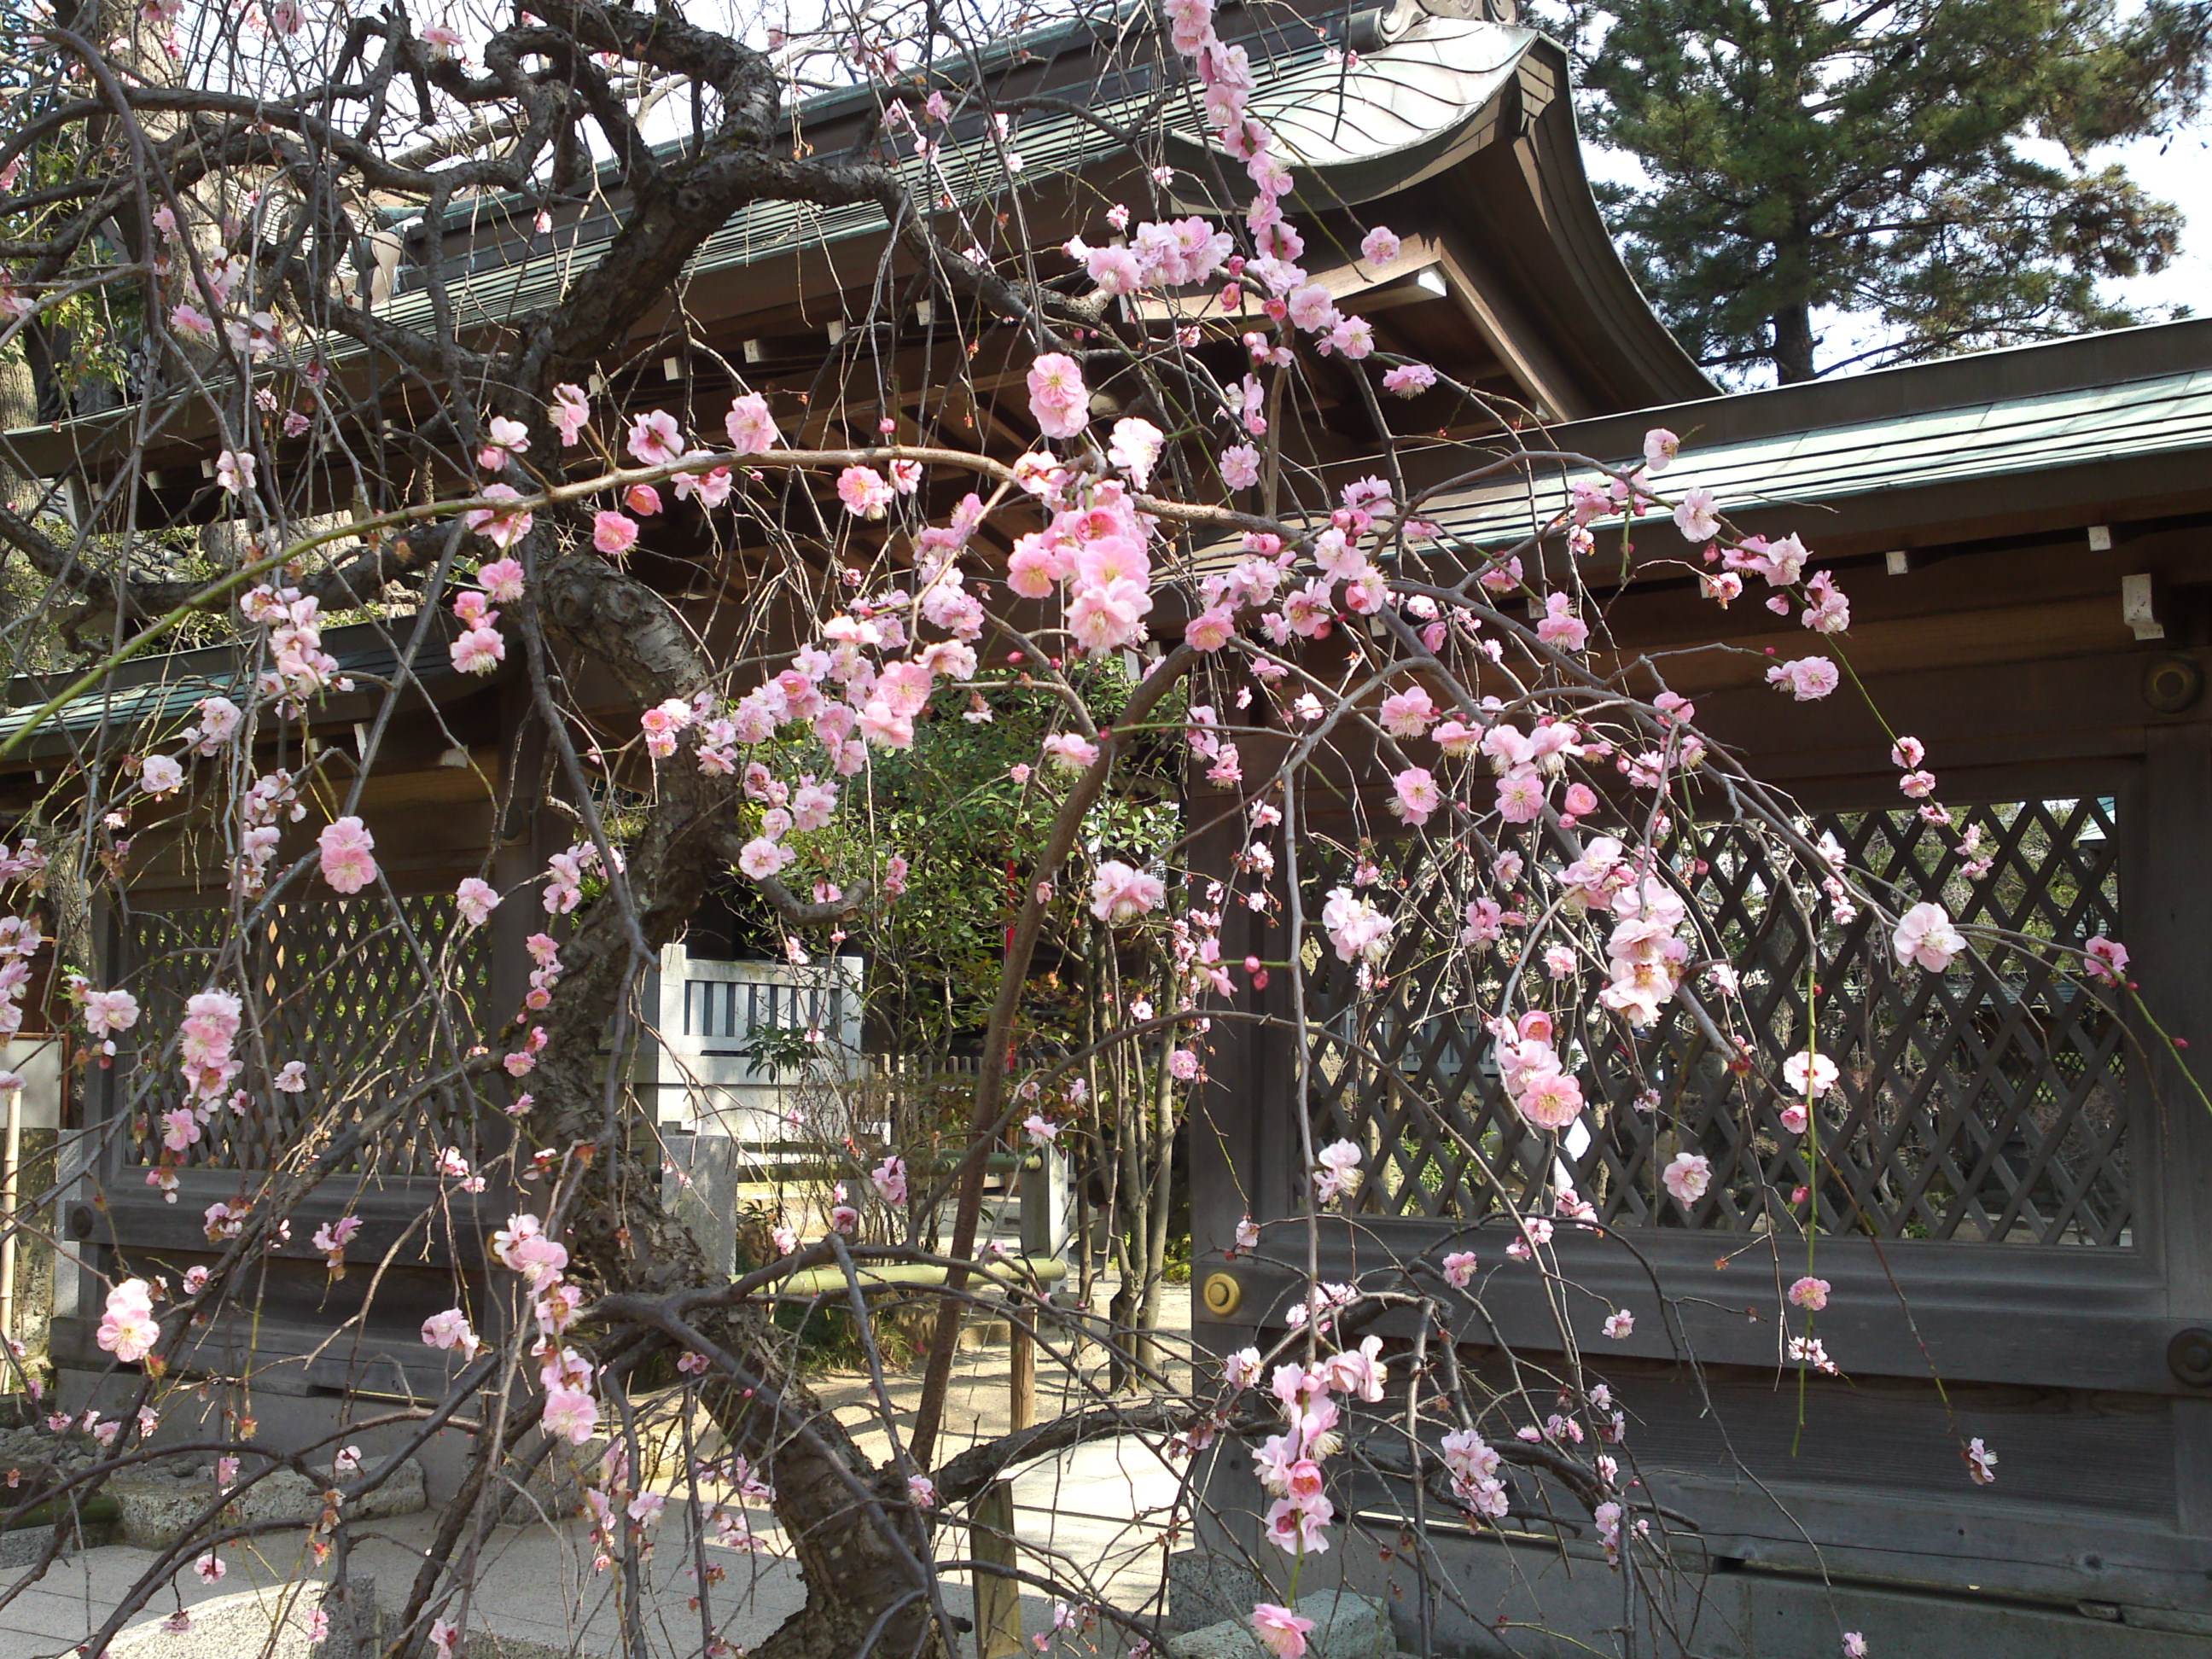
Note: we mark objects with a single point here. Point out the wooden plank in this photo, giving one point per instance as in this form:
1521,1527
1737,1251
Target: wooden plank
998,1600
1987,1313
1997,1548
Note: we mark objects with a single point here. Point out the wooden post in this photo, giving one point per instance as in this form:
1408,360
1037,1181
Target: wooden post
1022,1380
998,1601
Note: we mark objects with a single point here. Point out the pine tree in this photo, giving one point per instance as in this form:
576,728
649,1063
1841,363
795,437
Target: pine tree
1812,157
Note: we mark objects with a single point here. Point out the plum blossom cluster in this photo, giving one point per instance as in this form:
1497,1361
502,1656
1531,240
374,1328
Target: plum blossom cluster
1535,1077
1289,1465
210,1026
1095,551
299,670
571,1410
565,875
1472,1464
480,648
20,939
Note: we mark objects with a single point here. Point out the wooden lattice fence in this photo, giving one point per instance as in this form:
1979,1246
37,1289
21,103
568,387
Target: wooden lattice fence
1986,1105
368,997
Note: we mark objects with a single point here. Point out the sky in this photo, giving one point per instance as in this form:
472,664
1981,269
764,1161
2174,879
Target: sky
2180,170
2177,169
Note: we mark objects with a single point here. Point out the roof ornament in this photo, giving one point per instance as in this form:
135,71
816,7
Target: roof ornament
1404,16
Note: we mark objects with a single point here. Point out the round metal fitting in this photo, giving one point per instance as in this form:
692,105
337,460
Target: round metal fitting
1223,1294
2172,684
2188,1356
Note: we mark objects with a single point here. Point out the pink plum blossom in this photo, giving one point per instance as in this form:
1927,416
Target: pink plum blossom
1809,1073
864,492
569,1415
107,1012
752,430
478,651
1981,1462
1696,517
613,532
1059,401
502,581
499,525
128,1329
570,411
506,438
476,899
1339,1172
1549,1099
1926,938
1135,448
1806,679
1358,930
1688,1177
1281,1630
889,1179
1120,894
1407,713
345,853
654,438
450,1330
1415,795
1070,751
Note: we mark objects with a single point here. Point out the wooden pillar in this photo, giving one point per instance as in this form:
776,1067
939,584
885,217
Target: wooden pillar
1022,1364
2168,920
998,1608
1241,1135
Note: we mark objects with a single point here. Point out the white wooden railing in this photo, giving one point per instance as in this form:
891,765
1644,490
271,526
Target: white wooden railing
705,1014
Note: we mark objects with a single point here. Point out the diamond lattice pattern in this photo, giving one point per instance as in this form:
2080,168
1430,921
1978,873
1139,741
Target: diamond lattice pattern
1984,1104
351,989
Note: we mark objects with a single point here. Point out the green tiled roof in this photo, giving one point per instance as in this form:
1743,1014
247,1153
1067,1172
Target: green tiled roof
1348,127
159,691
2168,414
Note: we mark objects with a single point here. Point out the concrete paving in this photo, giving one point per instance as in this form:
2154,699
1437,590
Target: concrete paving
1096,1515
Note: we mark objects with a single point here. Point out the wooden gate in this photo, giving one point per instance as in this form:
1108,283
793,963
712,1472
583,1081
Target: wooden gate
2004,1188
371,999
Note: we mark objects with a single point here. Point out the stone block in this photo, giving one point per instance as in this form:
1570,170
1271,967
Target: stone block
25,1545
1346,1625
163,1502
